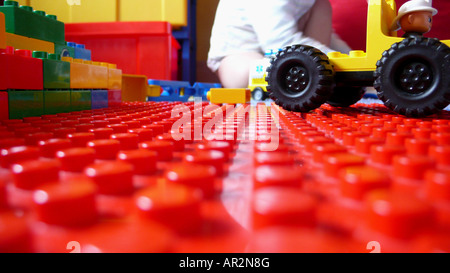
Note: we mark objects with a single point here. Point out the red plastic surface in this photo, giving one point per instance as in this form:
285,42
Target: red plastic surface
332,180
150,48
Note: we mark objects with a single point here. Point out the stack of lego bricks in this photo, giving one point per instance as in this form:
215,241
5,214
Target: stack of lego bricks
43,74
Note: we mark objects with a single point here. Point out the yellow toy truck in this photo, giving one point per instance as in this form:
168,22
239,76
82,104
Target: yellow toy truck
257,79
411,75
257,76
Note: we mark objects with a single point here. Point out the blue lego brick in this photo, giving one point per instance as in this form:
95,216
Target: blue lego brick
172,90
180,90
202,88
173,86
80,51
99,99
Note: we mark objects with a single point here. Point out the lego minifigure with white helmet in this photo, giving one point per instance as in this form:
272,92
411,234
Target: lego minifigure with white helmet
415,18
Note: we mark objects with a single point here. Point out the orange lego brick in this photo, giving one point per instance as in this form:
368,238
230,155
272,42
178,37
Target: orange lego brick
22,42
87,74
229,95
134,87
114,77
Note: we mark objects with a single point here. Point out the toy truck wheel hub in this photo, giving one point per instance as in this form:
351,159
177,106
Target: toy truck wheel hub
415,77
297,79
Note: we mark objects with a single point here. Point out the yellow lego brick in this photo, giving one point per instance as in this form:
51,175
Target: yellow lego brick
172,11
134,87
2,31
175,12
60,8
94,11
23,2
79,11
229,95
22,42
114,77
87,74
154,90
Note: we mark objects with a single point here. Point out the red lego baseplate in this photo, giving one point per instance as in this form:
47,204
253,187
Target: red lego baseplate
120,179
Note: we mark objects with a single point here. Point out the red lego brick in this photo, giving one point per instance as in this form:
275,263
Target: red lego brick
150,42
19,70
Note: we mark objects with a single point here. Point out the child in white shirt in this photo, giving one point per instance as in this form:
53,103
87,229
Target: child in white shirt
244,29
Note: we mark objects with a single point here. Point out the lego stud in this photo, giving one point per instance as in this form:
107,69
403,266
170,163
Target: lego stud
194,176
163,149
40,54
175,206
39,12
11,3
143,161
397,215
71,203
127,141
274,206
17,154
273,158
102,133
384,154
215,159
28,175
221,146
441,154
286,176
112,177
80,139
335,162
437,185
412,167
51,146
51,16
144,134
105,148
356,182
321,150
75,159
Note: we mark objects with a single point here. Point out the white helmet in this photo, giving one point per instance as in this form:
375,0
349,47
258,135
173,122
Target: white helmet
411,6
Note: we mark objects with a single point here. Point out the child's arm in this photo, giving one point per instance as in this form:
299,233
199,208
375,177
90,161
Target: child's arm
286,22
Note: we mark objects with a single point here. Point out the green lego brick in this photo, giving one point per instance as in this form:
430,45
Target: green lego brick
25,103
56,101
56,72
25,21
63,50
80,100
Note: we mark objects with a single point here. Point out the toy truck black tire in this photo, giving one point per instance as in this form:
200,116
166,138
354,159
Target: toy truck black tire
413,77
300,78
344,96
